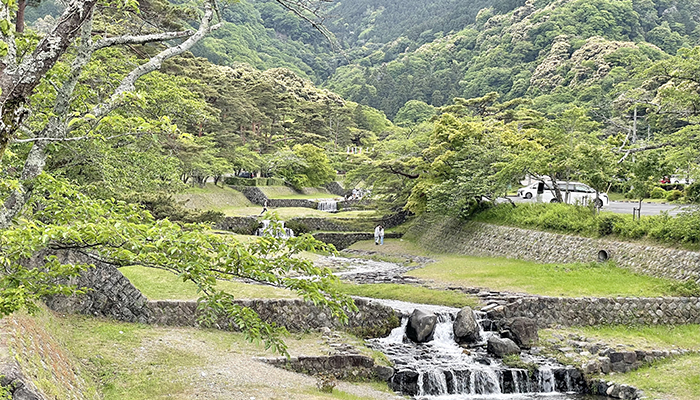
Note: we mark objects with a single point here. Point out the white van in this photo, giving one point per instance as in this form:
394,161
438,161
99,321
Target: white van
577,193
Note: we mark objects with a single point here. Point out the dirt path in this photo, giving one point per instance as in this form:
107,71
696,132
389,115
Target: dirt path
236,375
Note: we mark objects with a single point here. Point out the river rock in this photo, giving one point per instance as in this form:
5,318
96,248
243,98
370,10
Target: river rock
421,326
501,347
523,331
465,327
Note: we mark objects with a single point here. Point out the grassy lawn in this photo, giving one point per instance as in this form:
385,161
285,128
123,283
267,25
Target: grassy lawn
646,337
311,196
413,294
157,284
569,280
286,213
212,197
677,378
133,361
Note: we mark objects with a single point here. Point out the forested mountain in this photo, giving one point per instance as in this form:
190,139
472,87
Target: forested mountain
575,50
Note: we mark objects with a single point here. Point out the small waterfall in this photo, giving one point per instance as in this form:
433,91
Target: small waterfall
545,380
328,205
276,230
442,368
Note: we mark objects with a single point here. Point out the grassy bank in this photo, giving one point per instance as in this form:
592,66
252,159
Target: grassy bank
286,213
411,294
676,378
659,337
132,361
683,229
157,284
568,280
212,197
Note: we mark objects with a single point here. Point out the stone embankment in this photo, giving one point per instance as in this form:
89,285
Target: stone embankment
588,311
479,239
113,295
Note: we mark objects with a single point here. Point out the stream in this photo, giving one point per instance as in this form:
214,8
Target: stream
443,370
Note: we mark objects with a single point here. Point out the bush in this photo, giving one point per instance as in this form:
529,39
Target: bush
674,195
275,182
692,193
658,193
607,223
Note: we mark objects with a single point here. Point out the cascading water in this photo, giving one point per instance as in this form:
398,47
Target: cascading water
328,205
441,369
279,231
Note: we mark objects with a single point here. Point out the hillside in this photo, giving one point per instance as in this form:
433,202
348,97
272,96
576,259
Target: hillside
574,50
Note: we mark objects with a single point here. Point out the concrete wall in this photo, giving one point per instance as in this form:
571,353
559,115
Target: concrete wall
490,240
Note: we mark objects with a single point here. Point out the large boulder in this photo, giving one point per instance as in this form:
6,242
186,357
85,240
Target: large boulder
465,327
523,331
501,347
421,326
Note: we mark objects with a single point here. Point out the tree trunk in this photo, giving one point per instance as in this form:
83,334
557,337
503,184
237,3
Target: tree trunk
19,21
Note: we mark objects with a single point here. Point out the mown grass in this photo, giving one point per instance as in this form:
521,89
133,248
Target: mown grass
676,378
212,197
568,280
286,213
647,337
413,294
158,284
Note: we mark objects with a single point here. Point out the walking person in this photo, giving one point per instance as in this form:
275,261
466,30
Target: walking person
377,230
381,235
265,204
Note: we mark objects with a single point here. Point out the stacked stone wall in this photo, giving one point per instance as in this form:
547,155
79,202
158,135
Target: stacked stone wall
562,311
336,188
304,203
345,240
241,225
500,241
295,315
252,193
112,294
352,367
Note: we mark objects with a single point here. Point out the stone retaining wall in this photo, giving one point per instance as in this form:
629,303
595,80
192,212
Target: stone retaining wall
241,225
490,240
554,311
336,188
112,295
345,240
252,193
304,203
353,367
296,315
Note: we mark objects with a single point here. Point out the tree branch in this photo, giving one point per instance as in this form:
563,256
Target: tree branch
127,84
143,39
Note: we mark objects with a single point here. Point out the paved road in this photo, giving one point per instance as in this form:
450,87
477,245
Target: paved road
621,207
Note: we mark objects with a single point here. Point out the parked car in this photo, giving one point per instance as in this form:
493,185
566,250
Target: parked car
572,192
681,180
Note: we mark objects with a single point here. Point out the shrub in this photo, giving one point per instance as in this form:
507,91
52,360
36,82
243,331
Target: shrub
673,195
658,193
275,182
692,193
607,222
